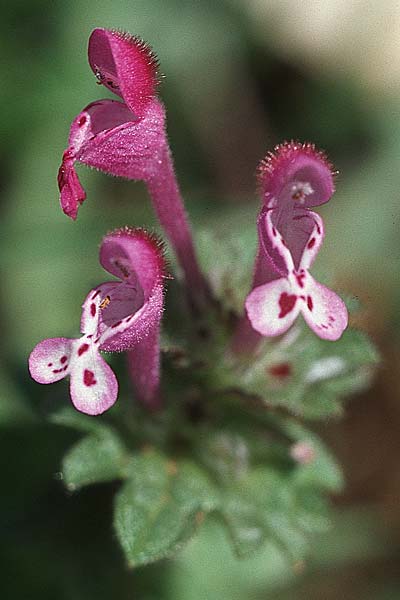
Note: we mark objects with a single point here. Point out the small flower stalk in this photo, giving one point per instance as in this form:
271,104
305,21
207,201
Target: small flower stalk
117,316
128,139
292,180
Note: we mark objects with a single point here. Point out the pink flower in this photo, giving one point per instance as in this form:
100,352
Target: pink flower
273,307
128,139
294,178
116,316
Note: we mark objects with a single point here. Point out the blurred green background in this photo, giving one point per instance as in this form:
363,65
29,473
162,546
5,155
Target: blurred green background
240,76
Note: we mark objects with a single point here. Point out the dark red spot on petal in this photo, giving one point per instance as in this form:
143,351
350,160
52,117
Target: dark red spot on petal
58,370
88,378
332,319
310,303
63,359
286,304
116,324
324,326
283,242
82,121
318,229
93,309
84,348
95,294
281,370
299,278
50,365
274,231
311,243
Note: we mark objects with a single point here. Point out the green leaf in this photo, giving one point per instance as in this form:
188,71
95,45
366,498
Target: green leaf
159,507
322,472
230,275
99,457
265,494
322,372
224,453
266,505
313,511
69,417
244,524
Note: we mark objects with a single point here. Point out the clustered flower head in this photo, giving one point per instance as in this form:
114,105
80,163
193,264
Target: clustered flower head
128,138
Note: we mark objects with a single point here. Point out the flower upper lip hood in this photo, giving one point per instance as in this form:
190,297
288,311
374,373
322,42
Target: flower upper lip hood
282,172
116,316
137,259
125,65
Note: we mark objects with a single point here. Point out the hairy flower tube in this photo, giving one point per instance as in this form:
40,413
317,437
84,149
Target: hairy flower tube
117,316
128,139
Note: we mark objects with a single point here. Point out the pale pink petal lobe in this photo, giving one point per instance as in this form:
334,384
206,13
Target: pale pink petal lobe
93,385
272,307
324,311
50,360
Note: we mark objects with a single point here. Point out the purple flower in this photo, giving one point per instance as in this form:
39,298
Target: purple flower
116,316
293,179
273,307
128,139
